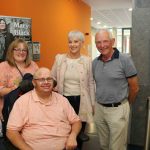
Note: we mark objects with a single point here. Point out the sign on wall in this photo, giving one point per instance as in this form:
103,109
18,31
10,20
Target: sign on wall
19,27
11,28
34,50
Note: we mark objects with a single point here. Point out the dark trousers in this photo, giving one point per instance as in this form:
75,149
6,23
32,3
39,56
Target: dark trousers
75,103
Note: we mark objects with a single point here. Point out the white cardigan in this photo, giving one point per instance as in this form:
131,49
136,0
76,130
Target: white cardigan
87,97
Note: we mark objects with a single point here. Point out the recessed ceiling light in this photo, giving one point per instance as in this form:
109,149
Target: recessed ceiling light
91,18
130,9
98,22
105,26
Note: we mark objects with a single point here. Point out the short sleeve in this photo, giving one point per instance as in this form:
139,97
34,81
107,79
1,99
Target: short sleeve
128,66
72,116
17,117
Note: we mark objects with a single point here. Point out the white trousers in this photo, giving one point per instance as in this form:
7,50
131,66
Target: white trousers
112,126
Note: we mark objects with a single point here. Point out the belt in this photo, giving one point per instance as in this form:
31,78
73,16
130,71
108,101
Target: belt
110,104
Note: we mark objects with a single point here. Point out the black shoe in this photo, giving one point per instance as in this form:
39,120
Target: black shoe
83,137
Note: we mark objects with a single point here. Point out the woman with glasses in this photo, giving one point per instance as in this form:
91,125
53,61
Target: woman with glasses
17,64
74,77
5,39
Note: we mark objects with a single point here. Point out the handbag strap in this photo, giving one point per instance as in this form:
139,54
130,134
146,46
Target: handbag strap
19,70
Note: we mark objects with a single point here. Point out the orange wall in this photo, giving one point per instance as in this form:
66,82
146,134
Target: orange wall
51,21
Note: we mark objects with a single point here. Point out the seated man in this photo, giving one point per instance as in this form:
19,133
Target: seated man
42,119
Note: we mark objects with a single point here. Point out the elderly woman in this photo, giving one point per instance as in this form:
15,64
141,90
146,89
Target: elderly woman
16,65
74,77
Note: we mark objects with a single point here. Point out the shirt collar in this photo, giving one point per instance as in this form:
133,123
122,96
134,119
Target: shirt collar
36,98
114,56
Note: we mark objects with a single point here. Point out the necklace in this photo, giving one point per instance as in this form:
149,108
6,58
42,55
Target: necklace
72,63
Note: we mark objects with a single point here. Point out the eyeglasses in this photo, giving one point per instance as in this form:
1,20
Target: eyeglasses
42,80
20,50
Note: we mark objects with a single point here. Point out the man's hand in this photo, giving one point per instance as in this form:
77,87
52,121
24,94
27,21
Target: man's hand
71,143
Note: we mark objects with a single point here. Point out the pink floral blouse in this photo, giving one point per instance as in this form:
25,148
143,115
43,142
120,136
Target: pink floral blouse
10,76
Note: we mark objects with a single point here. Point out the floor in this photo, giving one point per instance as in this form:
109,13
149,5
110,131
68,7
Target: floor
93,143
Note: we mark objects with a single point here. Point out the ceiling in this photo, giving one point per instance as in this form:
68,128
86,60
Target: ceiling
110,13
